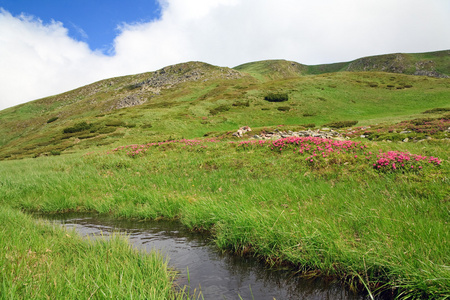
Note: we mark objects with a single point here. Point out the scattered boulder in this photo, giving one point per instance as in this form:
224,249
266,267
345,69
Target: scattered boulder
241,131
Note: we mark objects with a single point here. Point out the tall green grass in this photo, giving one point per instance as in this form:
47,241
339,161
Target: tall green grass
385,231
41,261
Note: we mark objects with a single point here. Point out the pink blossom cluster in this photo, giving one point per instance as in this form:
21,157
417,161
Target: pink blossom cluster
396,160
315,146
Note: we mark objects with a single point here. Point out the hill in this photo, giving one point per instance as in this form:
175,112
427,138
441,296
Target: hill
195,99
432,64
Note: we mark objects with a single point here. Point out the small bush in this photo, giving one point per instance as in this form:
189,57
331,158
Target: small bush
78,127
55,152
421,121
309,125
309,114
437,110
341,124
52,119
146,125
241,104
276,97
106,130
219,109
284,108
115,123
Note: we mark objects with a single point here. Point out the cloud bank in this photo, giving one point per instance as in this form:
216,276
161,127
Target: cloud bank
38,60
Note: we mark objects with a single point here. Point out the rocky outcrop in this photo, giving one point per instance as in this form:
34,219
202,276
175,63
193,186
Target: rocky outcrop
187,72
171,76
130,100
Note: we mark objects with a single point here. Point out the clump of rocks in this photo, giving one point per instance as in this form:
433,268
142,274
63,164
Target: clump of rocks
321,133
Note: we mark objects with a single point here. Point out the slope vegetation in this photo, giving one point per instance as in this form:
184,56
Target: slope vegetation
195,99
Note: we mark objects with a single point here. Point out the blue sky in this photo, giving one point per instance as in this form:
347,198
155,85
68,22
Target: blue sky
52,46
92,21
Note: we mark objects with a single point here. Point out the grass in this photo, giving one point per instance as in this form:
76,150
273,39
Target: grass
42,261
339,218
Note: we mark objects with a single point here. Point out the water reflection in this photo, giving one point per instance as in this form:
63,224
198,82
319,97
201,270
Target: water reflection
219,275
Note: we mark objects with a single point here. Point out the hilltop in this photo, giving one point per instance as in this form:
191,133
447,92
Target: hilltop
194,99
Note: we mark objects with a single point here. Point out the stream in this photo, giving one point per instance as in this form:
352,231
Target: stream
202,265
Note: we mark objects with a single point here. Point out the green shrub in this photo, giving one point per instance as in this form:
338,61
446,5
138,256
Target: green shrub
276,97
146,125
241,104
284,108
309,125
105,130
55,152
115,123
78,127
437,110
421,121
341,124
219,109
52,119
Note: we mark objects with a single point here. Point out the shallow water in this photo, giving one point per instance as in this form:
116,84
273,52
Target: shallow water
218,275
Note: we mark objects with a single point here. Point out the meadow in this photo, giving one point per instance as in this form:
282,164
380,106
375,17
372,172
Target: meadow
370,209
329,208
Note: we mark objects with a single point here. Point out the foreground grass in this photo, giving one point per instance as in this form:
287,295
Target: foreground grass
40,261
385,231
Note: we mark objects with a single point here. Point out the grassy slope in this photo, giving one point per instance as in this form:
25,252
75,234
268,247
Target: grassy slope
187,109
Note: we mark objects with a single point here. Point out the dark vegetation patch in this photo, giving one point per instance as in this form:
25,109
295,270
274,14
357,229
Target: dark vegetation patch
437,110
78,127
219,109
341,124
284,108
52,120
276,97
241,104
115,123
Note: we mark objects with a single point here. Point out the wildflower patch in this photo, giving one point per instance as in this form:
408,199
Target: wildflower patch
317,152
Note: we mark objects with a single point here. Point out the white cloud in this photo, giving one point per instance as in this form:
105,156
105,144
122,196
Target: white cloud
39,59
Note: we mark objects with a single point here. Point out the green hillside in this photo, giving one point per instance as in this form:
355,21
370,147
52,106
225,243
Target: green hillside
433,64
193,99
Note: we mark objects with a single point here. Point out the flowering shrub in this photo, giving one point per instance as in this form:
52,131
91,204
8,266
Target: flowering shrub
316,151
319,149
394,161
417,128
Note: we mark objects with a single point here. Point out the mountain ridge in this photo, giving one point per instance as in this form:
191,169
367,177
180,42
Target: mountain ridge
432,64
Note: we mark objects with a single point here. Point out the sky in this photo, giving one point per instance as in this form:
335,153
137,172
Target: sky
52,46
